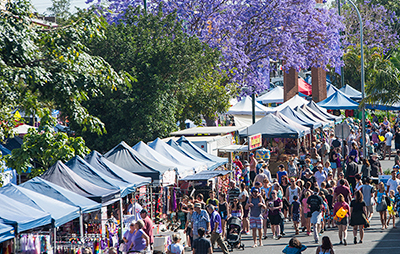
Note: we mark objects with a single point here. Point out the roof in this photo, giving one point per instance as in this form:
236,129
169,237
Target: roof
351,92
287,120
63,176
127,158
271,126
330,89
338,100
216,130
150,153
205,175
60,212
244,107
293,102
23,217
314,106
293,115
54,191
273,96
317,115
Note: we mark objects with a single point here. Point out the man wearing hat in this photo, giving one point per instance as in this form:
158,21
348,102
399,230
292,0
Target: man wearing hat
255,204
148,226
253,167
376,168
200,219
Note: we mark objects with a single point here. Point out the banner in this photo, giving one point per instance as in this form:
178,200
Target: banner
255,141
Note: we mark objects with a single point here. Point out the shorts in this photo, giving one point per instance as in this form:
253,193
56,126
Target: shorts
307,215
316,217
296,217
246,213
255,222
370,208
343,221
388,149
333,165
224,215
275,219
397,146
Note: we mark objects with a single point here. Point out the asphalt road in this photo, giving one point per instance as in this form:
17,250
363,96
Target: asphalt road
376,241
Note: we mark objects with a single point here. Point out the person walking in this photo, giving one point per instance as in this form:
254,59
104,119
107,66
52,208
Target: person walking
200,219
381,205
233,191
256,204
365,169
216,229
392,183
368,193
223,210
326,247
253,167
243,198
201,245
358,219
275,206
388,143
148,226
351,171
342,223
176,247
315,204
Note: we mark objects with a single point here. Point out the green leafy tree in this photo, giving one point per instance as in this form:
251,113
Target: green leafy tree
60,9
44,147
173,76
52,66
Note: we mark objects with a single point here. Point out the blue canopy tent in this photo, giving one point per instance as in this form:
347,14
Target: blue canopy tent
86,171
22,217
176,146
4,150
351,92
6,232
338,100
199,153
383,106
186,166
291,114
272,127
63,176
316,115
323,112
330,89
127,158
311,117
54,191
60,212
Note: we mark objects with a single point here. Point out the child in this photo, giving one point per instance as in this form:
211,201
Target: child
325,212
327,167
306,212
329,199
176,247
392,213
294,247
281,172
295,212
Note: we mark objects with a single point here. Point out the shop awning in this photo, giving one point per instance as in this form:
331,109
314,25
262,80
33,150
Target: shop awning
86,171
6,232
199,153
60,212
22,217
101,164
63,176
127,158
54,191
206,175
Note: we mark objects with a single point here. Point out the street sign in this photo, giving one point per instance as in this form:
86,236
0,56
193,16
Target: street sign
342,130
255,141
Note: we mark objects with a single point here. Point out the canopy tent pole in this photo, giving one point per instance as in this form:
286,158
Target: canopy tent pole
298,147
151,201
81,225
55,240
121,217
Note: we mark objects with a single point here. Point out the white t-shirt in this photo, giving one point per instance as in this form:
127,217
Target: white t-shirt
320,177
245,193
393,184
175,248
389,137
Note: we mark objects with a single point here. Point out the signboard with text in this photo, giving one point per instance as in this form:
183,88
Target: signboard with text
255,141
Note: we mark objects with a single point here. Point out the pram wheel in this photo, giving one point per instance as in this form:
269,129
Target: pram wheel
242,246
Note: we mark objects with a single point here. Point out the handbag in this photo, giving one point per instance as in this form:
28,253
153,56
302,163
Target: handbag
281,215
123,247
382,206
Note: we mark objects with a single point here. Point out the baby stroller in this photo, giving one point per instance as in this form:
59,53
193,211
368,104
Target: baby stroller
234,235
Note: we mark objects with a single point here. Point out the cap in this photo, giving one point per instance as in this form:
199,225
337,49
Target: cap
237,157
319,165
197,205
246,163
255,189
143,211
396,167
251,154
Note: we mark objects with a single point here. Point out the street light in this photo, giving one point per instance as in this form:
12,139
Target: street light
362,76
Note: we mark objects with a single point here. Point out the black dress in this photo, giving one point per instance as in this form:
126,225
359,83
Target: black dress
357,216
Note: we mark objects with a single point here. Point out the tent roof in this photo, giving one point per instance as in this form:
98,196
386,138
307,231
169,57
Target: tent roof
338,100
287,120
316,115
60,212
293,115
23,129
21,216
271,126
273,96
186,165
330,89
293,102
150,153
63,176
244,107
383,106
88,172
216,130
314,106
198,152
101,164
52,190
4,150
6,232
234,148
205,175
127,158
309,116
351,92
304,87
